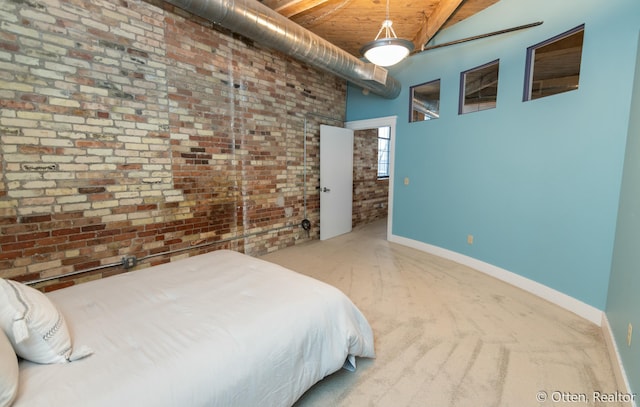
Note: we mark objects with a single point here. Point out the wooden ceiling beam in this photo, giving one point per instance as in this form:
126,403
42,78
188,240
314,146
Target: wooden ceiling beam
289,8
435,21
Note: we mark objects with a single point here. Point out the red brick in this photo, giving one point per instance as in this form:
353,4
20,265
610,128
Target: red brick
65,232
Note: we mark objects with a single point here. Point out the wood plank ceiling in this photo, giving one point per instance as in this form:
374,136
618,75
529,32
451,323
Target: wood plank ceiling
349,24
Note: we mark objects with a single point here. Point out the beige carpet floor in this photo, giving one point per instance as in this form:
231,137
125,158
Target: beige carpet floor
447,335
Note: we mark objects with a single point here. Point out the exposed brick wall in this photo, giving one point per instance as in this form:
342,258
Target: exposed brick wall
131,128
370,195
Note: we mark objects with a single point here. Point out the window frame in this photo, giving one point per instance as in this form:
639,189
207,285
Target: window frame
387,153
463,85
530,66
412,100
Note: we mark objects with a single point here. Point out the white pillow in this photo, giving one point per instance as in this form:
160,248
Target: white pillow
8,372
35,327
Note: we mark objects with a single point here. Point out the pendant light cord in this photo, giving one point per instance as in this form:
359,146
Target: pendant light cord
386,27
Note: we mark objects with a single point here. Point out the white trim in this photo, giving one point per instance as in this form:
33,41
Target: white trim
580,308
616,361
389,121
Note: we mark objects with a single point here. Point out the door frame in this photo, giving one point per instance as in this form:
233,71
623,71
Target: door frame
387,121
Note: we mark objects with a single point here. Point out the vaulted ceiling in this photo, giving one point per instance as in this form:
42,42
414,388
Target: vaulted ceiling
350,24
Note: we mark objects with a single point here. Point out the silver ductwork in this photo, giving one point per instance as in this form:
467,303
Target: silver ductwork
258,22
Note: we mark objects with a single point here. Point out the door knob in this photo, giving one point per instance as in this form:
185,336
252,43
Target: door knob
325,189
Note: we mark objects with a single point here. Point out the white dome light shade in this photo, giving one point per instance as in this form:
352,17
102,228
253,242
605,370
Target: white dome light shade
387,51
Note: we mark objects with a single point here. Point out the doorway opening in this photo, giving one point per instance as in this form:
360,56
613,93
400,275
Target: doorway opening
370,175
373,195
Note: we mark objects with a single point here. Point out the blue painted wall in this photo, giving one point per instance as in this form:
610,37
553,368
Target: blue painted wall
537,183
623,305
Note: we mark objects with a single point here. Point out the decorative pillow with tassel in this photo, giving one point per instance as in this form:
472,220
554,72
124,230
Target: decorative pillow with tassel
35,327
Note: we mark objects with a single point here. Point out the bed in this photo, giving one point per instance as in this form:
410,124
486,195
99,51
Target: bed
218,329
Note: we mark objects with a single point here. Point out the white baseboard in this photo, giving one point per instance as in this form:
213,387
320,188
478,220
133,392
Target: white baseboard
616,361
569,303
614,355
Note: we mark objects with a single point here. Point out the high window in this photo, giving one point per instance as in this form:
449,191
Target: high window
553,66
384,140
479,88
425,101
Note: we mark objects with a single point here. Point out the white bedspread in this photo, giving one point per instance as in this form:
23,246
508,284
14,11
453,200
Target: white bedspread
219,329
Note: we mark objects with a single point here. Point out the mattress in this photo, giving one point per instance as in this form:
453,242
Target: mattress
219,329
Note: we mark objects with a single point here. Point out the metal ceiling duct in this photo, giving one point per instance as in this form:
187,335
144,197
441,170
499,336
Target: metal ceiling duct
258,22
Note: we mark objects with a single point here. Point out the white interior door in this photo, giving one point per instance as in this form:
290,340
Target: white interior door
336,181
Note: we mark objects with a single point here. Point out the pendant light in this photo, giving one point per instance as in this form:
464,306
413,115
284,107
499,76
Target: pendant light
389,50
